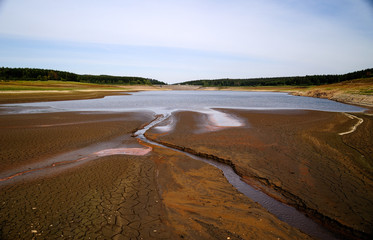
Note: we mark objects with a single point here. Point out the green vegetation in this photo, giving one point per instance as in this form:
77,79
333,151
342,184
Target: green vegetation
52,85
282,81
34,74
366,92
22,88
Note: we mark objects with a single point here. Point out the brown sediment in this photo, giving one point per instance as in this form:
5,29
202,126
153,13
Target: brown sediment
92,156
23,141
300,155
112,197
101,198
161,195
201,204
41,168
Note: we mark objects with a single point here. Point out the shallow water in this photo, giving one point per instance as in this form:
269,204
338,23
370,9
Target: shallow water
162,102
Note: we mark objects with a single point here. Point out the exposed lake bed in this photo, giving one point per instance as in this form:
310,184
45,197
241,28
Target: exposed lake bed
299,154
264,141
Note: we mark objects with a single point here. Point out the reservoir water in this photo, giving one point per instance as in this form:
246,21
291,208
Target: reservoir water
167,101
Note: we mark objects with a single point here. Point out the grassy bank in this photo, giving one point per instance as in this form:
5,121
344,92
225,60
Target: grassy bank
358,91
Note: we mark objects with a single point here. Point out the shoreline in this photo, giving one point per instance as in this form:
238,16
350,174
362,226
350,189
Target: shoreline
7,97
26,96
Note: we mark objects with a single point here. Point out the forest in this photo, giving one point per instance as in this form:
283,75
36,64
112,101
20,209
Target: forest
35,74
278,81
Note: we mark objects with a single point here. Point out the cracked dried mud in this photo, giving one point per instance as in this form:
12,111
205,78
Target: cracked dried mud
161,195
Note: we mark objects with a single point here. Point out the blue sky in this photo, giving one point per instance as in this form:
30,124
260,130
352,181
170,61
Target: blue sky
179,40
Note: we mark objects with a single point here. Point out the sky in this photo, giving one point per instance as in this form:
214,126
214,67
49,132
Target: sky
180,40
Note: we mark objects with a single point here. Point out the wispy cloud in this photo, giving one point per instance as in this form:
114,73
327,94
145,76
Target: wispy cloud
182,40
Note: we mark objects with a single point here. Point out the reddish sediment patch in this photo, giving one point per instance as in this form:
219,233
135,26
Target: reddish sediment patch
123,151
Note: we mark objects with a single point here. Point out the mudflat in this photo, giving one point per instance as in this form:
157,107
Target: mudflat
31,138
313,160
161,195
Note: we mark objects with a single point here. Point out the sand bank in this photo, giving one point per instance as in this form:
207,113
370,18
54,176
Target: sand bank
74,92
43,96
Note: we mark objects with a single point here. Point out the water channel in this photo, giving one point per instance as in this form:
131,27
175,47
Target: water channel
282,211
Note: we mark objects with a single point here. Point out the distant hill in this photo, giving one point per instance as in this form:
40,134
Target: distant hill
34,74
278,81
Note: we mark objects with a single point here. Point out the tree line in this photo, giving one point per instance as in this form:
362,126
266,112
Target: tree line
36,74
278,81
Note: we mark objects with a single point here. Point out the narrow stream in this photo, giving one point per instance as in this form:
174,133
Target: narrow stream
282,211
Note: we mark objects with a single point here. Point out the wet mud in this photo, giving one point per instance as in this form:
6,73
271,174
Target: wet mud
298,157
32,138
